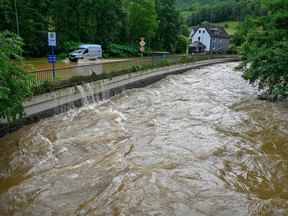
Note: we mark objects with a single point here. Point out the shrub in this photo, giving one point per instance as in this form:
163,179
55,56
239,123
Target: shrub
125,51
182,43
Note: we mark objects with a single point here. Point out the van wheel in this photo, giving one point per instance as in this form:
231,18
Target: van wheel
73,60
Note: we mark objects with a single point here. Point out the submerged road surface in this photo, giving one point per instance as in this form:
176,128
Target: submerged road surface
199,143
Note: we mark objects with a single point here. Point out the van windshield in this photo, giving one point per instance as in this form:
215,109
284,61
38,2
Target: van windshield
79,50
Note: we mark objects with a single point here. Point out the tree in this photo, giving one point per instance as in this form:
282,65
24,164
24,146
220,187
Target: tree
243,28
33,25
219,10
142,19
110,19
169,25
264,53
88,21
15,83
7,15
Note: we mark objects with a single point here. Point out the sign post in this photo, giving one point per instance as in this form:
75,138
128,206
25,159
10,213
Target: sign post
142,44
52,42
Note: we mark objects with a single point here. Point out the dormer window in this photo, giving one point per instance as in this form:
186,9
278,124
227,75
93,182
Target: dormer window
215,31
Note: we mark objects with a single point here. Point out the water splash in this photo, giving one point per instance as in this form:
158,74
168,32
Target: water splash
83,94
89,93
105,92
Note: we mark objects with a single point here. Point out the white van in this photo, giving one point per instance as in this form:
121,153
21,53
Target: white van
86,51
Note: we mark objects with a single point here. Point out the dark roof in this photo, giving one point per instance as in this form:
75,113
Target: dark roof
197,44
214,31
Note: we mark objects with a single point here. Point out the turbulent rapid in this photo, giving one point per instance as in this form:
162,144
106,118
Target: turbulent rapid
198,143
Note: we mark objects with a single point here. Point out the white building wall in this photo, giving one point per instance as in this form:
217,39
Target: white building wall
204,37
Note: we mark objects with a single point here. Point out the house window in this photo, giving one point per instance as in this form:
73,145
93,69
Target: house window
220,40
213,47
219,48
214,39
203,31
199,38
199,31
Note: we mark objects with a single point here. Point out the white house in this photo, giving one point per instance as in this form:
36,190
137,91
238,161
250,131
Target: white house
209,38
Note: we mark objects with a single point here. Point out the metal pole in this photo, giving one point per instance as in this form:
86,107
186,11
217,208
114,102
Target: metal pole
17,24
53,68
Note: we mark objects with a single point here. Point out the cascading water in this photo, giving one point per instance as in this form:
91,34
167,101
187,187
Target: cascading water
198,143
90,93
83,94
105,93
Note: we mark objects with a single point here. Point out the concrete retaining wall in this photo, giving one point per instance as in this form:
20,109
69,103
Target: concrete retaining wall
50,104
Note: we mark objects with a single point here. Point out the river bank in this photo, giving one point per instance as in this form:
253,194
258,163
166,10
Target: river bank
62,100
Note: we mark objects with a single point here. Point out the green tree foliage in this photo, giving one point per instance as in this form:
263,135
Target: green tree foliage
88,21
169,25
182,43
15,83
102,22
32,22
243,28
7,15
264,53
142,19
198,11
111,21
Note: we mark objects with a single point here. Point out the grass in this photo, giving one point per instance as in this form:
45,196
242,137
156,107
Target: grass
232,26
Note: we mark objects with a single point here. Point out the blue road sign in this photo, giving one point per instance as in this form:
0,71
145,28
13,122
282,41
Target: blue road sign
52,58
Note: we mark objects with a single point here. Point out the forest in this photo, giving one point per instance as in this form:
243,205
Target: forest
117,25
107,22
198,11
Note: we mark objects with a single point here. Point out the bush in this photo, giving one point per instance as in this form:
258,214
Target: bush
66,47
125,51
44,87
182,43
232,49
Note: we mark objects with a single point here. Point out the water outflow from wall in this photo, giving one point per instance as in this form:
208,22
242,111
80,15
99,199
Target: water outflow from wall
83,94
87,94
198,143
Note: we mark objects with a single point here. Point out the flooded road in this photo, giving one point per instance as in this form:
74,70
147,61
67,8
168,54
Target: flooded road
43,64
199,143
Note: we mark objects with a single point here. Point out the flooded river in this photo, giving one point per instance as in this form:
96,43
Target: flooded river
199,143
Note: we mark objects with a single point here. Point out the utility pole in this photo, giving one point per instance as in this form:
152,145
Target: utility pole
17,24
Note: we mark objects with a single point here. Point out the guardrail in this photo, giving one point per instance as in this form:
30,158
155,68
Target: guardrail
107,67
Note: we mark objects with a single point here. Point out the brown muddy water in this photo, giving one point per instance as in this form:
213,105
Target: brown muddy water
43,64
199,143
